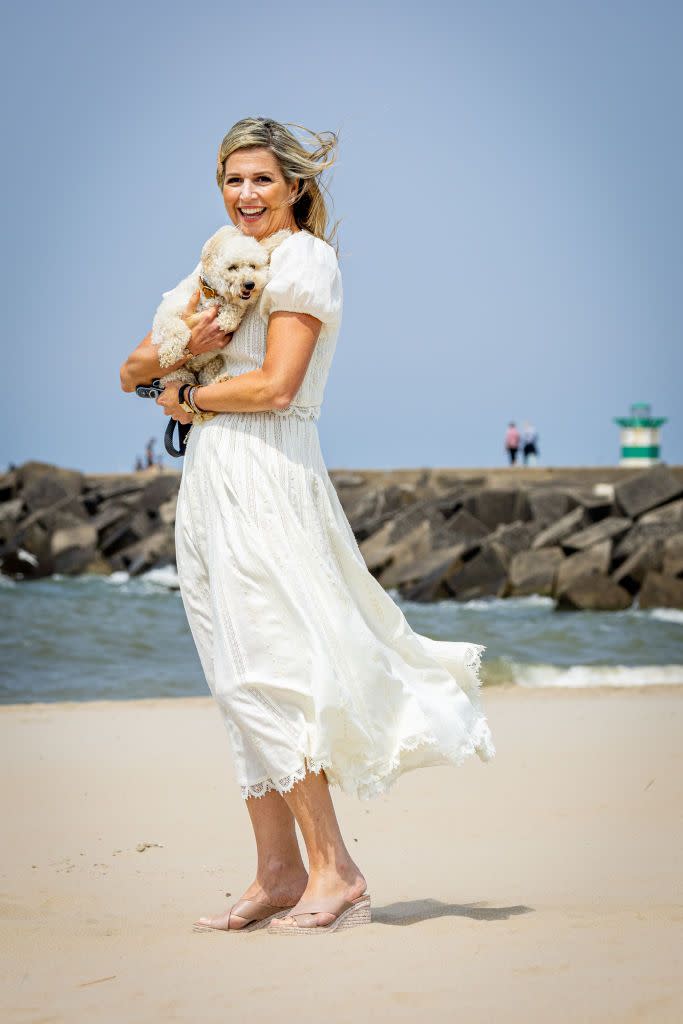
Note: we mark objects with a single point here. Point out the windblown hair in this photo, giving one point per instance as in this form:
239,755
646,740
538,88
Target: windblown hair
295,161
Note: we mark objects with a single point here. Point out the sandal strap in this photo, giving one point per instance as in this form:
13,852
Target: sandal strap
252,910
325,906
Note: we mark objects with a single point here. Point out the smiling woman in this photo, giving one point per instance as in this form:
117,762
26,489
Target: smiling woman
319,678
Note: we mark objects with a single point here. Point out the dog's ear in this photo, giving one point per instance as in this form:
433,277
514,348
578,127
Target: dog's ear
272,241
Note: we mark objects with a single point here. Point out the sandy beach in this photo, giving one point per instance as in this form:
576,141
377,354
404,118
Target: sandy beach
546,885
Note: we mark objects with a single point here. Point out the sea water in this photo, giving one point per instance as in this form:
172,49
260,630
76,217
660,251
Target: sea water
112,637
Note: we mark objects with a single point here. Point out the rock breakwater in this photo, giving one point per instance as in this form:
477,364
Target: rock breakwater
590,539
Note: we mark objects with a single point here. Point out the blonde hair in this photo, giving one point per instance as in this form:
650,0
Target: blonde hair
295,162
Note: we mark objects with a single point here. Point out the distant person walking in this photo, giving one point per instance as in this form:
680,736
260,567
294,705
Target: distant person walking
149,452
512,442
529,444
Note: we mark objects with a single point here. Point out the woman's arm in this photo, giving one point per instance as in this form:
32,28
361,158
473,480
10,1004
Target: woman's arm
142,365
290,343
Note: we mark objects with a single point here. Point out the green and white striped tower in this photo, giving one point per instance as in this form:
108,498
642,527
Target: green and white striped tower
640,436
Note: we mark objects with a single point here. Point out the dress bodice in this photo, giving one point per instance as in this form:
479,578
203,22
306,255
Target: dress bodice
303,277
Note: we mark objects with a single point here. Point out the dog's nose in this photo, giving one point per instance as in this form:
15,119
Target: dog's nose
249,285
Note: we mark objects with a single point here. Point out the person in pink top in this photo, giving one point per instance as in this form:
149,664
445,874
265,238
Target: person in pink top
512,442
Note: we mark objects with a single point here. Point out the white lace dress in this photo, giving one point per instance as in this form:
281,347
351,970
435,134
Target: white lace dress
311,662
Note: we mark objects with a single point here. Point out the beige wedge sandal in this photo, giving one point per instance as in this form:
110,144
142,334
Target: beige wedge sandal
257,915
349,915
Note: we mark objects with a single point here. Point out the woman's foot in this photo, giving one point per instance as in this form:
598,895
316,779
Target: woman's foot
338,887
278,887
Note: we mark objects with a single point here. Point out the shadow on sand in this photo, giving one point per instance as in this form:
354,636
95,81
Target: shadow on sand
413,911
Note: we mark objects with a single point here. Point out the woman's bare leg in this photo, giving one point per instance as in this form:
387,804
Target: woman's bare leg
331,869
280,872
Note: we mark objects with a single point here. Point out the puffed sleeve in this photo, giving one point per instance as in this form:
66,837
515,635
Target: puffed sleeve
304,278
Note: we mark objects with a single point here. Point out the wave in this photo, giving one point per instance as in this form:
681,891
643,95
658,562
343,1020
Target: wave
489,604
586,676
666,615
166,577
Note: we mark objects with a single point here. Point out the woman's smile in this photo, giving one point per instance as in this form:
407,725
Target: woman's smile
255,193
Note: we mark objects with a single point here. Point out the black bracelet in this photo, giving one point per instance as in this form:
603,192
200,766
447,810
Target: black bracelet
181,392
193,403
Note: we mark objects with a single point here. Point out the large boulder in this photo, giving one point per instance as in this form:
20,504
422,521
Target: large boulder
596,506
642,533
167,511
415,544
154,551
483,575
405,521
368,508
556,532
73,548
11,511
594,560
425,579
534,572
158,491
125,532
9,485
44,486
26,549
672,564
511,538
660,591
631,573
495,505
450,501
549,505
594,593
647,489
463,528
607,529
670,513
109,515
377,550
98,492
27,553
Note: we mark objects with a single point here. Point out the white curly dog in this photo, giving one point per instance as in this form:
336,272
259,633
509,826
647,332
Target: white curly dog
232,273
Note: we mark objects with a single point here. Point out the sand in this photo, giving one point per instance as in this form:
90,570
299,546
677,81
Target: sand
543,886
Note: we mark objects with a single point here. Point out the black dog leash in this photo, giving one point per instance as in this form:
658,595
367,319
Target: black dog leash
183,430
153,391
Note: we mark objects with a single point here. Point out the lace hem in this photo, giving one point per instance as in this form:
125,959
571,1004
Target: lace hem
302,412
373,783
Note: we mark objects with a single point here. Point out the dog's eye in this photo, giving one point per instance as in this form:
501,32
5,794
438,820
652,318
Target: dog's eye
233,267
252,267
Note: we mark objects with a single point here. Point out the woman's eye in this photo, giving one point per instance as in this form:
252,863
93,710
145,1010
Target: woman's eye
263,178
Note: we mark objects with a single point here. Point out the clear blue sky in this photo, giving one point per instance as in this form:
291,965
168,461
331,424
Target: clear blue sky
509,184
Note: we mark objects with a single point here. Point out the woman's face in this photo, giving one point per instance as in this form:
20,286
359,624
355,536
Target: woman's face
255,193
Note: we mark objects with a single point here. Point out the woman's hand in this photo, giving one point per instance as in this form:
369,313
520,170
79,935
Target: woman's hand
168,400
206,334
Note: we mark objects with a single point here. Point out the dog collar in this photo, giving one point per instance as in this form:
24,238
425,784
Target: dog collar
207,291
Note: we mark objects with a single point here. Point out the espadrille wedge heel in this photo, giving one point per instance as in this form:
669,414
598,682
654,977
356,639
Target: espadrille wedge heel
258,915
349,915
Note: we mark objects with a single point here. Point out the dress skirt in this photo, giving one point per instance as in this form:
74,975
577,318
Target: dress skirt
311,662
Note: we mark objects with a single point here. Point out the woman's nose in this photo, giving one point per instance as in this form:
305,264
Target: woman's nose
247,189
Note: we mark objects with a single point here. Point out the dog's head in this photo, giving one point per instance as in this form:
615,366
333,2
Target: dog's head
234,267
